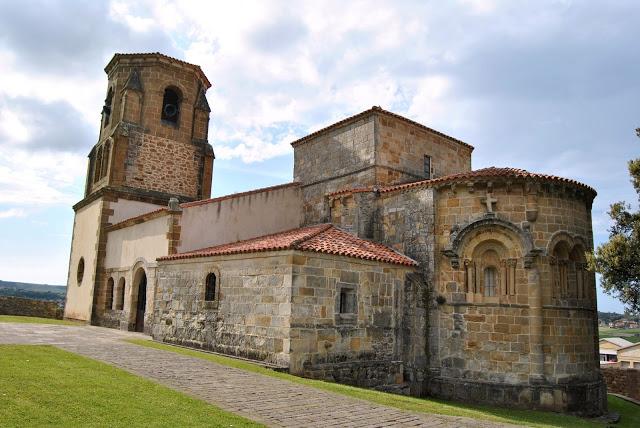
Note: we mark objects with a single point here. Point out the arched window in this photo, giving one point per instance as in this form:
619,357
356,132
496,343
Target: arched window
490,281
97,173
108,304
120,296
210,288
561,269
105,159
106,110
171,106
80,271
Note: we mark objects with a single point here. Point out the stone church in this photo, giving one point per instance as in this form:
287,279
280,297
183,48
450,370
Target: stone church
387,263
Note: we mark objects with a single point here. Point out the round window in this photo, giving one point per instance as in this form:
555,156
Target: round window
80,273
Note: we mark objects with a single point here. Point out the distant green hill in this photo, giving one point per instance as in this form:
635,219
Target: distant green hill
33,291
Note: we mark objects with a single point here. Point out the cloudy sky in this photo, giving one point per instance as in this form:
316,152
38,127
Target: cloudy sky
548,86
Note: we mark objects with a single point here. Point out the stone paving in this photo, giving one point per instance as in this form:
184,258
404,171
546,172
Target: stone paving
264,399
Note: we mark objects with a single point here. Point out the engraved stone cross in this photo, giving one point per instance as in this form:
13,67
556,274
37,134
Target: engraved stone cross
489,201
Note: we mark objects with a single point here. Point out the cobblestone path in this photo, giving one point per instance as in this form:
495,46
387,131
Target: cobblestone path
264,399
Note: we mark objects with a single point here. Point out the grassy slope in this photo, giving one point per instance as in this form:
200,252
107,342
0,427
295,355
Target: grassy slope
45,386
523,417
36,320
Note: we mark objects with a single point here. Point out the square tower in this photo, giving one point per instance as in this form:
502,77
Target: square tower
152,147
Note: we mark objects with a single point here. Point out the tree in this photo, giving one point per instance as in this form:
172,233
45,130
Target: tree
618,260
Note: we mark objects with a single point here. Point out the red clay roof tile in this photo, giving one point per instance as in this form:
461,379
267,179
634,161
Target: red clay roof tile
488,173
479,173
322,238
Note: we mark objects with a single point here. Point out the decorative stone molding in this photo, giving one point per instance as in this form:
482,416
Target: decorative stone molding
563,235
491,220
134,82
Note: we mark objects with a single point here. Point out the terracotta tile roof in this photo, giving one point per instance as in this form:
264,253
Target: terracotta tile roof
159,55
488,173
378,110
322,238
238,195
350,191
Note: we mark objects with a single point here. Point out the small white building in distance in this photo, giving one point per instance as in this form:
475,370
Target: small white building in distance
609,347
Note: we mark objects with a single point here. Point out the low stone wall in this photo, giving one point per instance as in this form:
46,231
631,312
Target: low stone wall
623,381
369,374
30,307
582,398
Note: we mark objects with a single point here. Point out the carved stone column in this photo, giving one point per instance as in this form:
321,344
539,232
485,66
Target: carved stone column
536,321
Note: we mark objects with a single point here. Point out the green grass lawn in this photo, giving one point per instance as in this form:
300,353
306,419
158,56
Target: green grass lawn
43,386
631,334
522,417
630,412
36,320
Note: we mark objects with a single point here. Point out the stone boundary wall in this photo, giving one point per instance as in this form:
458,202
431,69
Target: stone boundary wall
30,307
622,381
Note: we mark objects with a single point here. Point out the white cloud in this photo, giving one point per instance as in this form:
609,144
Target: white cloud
46,178
120,11
480,7
254,146
12,212
13,127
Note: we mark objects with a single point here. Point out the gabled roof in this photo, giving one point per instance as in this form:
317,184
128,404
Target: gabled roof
628,348
618,341
375,110
322,238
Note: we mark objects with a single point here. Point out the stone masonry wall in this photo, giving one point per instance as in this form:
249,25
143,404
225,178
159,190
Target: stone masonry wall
360,348
250,317
402,146
163,165
30,307
491,339
282,308
343,151
315,204
154,78
377,149
405,223
140,150
337,160
623,381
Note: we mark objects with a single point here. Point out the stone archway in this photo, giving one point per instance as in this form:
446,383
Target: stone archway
139,300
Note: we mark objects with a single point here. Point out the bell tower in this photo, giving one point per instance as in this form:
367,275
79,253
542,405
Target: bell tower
153,132
153,146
